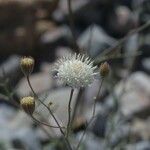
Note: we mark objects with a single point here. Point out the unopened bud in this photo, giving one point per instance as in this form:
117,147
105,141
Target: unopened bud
104,69
27,64
28,104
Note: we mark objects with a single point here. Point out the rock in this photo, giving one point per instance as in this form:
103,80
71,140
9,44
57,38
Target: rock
5,145
99,126
41,134
27,139
44,9
10,68
41,82
140,129
117,129
62,9
43,26
121,21
17,125
120,134
49,147
146,64
99,40
85,12
90,142
130,48
135,95
144,145
63,51
45,67
60,33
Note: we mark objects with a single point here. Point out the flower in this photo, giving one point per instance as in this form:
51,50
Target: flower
104,69
27,64
28,104
75,70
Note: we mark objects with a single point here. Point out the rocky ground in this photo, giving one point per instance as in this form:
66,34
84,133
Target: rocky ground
41,28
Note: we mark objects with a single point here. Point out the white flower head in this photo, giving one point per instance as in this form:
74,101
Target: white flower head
75,70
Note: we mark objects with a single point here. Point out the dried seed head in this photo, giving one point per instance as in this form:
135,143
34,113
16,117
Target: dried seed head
104,69
75,70
27,64
28,104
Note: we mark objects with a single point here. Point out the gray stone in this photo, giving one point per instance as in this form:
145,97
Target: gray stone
10,67
56,35
44,26
17,125
146,64
91,142
63,51
134,94
131,46
117,130
62,9
28,139
99,126
45,67
41,82
144,145
140,129
99,40
121,21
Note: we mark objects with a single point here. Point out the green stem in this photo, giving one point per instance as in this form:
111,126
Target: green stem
44,123
71,22
69,113
95,100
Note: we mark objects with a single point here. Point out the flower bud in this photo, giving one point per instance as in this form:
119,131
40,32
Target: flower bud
27,64
104,69
28,104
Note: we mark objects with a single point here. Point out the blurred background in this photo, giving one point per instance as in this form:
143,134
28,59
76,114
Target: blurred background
48,30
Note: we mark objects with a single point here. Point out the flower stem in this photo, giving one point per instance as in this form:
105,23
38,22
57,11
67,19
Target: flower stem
40,122
76,106
95,100
69,113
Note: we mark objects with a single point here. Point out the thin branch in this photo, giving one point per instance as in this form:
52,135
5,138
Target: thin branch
77,102
95,100
71,22
116,56
121,41
44,123
69,113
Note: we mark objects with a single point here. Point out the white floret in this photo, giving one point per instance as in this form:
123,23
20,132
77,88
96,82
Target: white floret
76,70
